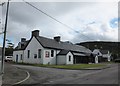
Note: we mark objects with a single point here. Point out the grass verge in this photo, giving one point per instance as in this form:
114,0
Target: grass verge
73,66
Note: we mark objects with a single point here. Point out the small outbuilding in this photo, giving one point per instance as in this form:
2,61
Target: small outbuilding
103,55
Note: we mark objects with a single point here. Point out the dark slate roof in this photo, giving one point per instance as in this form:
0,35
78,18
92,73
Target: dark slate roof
51,43
104,51
63,52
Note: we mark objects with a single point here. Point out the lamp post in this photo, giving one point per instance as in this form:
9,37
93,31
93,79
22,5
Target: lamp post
4,40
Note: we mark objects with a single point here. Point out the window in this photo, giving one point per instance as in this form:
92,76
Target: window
21,57
28,53
39,53
35,56
52,53
47,53
69,58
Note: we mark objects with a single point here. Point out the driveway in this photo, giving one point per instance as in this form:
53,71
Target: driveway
41,75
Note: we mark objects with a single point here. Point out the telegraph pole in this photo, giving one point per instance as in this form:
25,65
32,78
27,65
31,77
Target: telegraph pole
4,40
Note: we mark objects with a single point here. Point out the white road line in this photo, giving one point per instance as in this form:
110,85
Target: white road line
28,75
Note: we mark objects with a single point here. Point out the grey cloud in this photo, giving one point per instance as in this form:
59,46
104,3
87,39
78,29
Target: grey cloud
23,19
92,37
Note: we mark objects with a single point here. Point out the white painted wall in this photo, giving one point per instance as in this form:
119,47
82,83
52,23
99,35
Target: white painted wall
33,46
19,55
108,56
61,59
50,60
64,59
96,59
96,51
67,58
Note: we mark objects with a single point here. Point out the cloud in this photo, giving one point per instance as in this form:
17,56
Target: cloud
85,19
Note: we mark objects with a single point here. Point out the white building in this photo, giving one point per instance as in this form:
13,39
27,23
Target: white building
43,50
104,54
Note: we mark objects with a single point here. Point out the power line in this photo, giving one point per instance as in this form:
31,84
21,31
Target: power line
55,19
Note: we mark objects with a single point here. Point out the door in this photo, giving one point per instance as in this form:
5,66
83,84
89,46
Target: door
16,58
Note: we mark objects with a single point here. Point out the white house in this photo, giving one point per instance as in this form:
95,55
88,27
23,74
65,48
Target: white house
104,54
43,50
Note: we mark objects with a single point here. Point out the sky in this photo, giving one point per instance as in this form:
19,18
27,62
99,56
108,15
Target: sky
87,20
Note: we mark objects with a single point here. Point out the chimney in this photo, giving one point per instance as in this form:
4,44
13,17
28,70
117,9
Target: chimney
35,33
23,39
57,38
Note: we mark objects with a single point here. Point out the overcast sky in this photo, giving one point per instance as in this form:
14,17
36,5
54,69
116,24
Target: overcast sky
88,21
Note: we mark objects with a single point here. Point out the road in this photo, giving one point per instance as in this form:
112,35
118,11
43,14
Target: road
0,74
41,75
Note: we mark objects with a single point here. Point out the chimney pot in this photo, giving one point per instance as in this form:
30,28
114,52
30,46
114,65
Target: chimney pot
23,39
57,38
35,33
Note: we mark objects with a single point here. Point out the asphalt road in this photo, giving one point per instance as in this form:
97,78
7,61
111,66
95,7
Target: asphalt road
41,75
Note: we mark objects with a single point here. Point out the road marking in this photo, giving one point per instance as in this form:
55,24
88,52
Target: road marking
28,76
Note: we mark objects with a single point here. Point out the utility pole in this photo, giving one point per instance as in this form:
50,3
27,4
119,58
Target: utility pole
4,40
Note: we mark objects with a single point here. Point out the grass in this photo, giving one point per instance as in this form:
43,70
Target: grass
78,66
73,66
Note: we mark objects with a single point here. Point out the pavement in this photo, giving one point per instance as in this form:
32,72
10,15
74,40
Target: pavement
14,74
99,68
0,79
0,74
